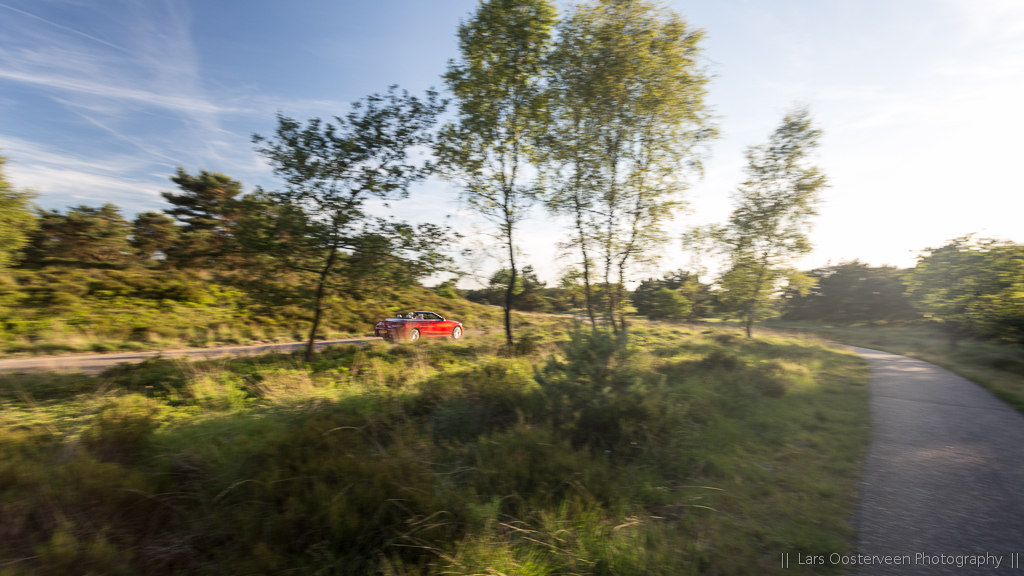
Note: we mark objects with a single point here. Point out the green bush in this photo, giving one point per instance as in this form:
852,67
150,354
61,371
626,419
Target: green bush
122,429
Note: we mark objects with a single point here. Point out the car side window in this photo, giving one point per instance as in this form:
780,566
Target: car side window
431,316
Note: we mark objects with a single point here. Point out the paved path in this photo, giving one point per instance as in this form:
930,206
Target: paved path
944,474
97,363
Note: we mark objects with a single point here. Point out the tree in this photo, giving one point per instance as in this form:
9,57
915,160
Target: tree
686,284
319,221
528,289
852,292
572,292
17,219
207,206
972,286
768,227
153,234
497,84
629,126
667,303
85,234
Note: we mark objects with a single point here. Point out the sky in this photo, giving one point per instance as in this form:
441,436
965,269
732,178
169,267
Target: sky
919,100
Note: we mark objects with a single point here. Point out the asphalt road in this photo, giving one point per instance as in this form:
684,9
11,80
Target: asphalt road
943,480
99,362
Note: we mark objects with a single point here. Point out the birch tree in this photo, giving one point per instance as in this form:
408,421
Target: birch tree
768,228
488,150
630,127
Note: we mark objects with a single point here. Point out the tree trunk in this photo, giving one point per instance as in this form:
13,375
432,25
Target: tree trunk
619,288
609,242
587,292
586,265
509,294
319,298
752,307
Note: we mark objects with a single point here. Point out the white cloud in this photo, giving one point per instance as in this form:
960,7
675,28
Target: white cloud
67,179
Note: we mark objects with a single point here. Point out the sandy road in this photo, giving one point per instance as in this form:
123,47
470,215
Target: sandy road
97,363
943,479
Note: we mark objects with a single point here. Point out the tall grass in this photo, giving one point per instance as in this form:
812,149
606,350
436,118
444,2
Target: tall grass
661,452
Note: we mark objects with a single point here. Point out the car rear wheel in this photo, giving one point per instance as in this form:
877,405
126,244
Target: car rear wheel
456,333
414,335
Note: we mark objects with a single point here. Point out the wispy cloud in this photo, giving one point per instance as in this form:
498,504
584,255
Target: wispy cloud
177,102
136,78
67,179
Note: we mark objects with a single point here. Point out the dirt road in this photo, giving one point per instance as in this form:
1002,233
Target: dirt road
99,362
943,480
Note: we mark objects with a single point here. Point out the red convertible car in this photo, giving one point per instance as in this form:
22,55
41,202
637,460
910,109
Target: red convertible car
416,325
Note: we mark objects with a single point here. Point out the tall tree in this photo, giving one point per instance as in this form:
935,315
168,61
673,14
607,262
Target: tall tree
207,206
205,201
17,219
153,234
497,83
630,126
768,227
319,221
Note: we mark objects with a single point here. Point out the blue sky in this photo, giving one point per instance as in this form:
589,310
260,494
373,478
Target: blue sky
919,100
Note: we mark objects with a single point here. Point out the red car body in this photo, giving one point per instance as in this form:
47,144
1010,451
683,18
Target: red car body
416,325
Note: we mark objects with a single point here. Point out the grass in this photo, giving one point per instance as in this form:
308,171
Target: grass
67,310
997,367
669,451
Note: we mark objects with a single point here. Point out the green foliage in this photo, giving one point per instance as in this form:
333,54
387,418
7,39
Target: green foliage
84,234
208,207
531,295
696,295
122,429
667,303
319,223
153,235
206,201
59,308
447,290
497,84
769,225
580,457
628,125
17,220
851,293
972,287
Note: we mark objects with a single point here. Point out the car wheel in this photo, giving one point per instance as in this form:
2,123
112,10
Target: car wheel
456,333
414,335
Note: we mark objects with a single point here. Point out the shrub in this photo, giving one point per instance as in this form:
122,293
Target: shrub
122,429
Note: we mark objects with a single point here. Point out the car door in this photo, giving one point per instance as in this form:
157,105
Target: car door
431,324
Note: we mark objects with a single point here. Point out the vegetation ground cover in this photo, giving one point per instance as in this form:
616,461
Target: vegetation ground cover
66,309
997,367
664,451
